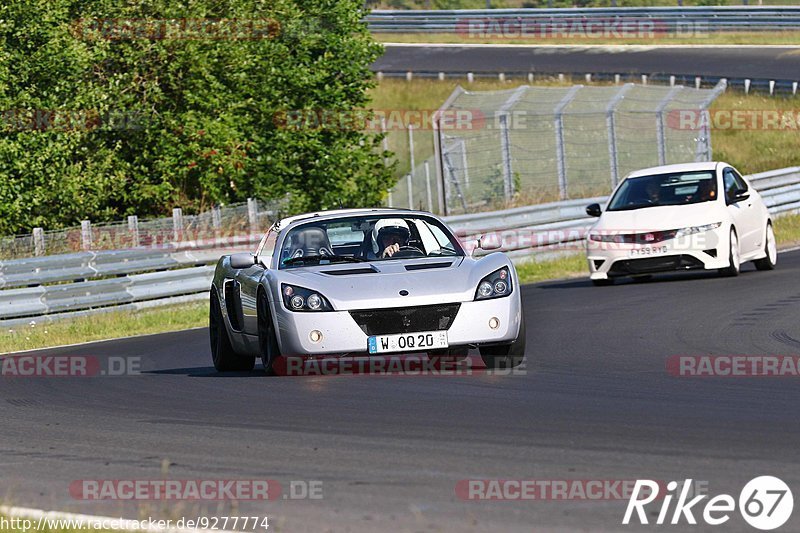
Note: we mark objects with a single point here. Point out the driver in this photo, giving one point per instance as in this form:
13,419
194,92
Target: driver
391,234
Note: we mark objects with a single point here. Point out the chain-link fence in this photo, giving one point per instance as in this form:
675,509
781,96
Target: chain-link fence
538,144
222,222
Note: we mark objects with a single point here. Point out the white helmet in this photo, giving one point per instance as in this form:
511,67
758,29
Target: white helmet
391,226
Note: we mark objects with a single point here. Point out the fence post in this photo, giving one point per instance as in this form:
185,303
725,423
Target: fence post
703,151
252,214
661,137
561,161
133,229
428,192
216,217
611,125
177,224
412,176
464,162
505,142
438,149
38,241
86,235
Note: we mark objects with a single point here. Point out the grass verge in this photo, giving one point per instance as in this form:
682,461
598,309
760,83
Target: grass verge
173,318
113,324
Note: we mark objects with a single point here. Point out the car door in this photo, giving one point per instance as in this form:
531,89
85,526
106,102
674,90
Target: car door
745,212
249,278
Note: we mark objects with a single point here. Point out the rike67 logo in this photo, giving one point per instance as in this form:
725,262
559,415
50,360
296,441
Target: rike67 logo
765,503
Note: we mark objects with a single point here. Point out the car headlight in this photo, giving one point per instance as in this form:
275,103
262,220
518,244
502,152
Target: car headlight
301,299
495,285
697,229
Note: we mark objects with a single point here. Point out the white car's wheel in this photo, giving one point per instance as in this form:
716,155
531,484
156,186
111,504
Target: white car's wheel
771,249
734,258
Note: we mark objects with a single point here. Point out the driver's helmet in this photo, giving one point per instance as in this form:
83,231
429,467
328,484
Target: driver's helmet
394,227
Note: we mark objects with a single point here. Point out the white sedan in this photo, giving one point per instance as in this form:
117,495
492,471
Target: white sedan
680,217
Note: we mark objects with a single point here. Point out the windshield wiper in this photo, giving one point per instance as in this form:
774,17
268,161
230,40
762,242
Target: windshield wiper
320,258
634,206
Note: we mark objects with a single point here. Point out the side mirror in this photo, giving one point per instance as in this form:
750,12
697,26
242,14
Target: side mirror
242,261
594,210
740,194
489,244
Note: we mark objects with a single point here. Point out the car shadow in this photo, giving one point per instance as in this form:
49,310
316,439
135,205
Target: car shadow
206,372
664,277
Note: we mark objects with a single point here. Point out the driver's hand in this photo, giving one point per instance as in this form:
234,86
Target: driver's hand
391,250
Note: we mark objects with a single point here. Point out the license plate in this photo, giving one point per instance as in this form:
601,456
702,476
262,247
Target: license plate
648,250
408,342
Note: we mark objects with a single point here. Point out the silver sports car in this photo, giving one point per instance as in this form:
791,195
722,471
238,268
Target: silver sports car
364,282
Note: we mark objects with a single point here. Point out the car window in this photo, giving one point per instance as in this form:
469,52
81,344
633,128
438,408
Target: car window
732,182
267,245
677,188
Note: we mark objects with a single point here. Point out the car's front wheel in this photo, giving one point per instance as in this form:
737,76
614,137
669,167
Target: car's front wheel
771,249
267,338
505,355
733,257
222,354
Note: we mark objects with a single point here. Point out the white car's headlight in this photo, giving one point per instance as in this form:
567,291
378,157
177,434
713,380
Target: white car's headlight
697,229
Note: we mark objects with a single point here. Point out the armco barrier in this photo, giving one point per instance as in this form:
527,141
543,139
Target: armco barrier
665,19
145,277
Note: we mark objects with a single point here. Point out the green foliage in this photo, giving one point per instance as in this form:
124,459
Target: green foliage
100,125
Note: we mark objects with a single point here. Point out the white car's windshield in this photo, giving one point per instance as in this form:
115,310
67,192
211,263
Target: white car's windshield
665,189
367,238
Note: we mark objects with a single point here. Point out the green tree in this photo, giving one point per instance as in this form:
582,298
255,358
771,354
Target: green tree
115,107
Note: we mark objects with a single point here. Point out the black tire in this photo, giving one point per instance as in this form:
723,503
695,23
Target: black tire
267,338
505,356
222,354
770,248
732,270
603,282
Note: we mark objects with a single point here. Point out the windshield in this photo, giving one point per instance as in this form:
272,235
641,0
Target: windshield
366,238
665,189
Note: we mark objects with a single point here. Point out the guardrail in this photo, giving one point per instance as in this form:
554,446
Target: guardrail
51,287
665,19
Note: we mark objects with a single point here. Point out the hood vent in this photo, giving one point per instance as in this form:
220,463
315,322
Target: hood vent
425,266
350,271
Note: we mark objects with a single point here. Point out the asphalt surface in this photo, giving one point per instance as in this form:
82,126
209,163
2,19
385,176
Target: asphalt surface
731,62
595,403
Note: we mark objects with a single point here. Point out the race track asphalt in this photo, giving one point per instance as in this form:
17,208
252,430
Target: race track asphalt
595,403
778,63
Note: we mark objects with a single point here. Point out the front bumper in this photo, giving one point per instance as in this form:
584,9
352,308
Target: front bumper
341,334
705,251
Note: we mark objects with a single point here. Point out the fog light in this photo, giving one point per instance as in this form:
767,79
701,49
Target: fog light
315,336
494,323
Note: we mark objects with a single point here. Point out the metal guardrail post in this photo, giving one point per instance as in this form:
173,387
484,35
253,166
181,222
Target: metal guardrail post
86,235
177,224
133,228
611,125
558,117
661,138
38,241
